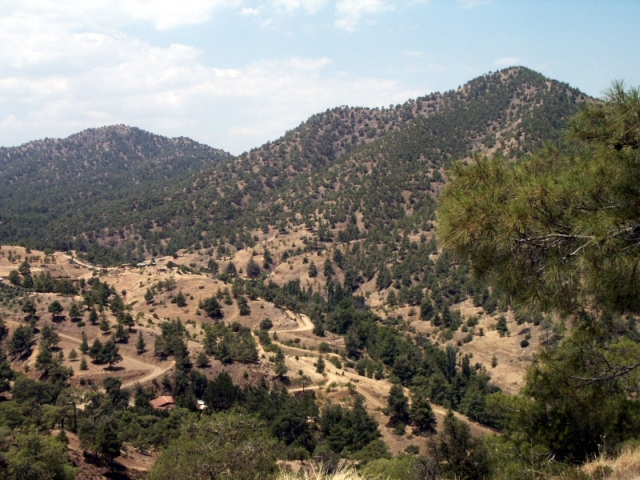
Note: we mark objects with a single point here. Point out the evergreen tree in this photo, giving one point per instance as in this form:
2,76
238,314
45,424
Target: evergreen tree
148,296
384,278
281,367
93,316
456,454
14,278
243,306
253,269
180,300
83,364
320,365
398,405
421,413
73,355
140,344
202,361
122,335
313,270
501,326
29,307
74,311
108,444
110,353
84,345
6,373
20,342
104,324
211,307
25,269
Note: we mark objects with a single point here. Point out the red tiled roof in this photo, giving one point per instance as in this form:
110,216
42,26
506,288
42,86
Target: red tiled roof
163,402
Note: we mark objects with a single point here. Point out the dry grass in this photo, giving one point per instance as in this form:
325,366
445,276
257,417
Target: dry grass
321,474
624,467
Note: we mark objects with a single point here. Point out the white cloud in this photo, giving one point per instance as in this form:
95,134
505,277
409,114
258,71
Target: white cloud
349,13
309,6
69,65
247,11
310,64
506,61
163,14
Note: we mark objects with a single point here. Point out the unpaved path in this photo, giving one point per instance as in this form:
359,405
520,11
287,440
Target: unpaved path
375,392
156,371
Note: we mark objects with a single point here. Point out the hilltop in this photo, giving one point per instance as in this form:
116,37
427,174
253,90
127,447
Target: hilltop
121,194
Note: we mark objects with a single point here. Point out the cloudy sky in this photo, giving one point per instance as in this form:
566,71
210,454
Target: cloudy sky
236,73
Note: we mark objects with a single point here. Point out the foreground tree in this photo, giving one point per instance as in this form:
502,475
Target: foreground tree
35,456
225,446
561,231
558,230
454,453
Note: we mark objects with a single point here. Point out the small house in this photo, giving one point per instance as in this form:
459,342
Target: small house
165,402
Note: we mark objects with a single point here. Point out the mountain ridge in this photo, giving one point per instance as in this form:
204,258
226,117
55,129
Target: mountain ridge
186,198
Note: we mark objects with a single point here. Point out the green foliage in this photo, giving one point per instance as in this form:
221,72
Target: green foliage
35,456
398,406
55,308
456,454
573,242
320,365
225,446
348,430
20,342
211,307
229,344
140,344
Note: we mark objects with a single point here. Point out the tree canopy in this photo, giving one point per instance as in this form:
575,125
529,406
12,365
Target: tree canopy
561,229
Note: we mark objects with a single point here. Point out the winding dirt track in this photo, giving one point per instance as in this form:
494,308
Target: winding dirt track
374,391
155,372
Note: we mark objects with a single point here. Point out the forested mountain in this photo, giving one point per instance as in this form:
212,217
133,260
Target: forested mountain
54,182
120,194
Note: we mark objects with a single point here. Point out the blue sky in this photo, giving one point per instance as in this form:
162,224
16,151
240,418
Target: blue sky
236,73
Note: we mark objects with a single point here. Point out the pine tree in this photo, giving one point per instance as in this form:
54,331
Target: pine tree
93,316
44,360
121,333
83,363
320,365
281,367
148,296
421,413
140,344
501,326
313,270
243,306
73,355
104,324
110,353
180,300
398,405
55,308
84,346
202,361
384,278
75,311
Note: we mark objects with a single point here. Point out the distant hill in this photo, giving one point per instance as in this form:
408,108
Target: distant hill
47,186
120,194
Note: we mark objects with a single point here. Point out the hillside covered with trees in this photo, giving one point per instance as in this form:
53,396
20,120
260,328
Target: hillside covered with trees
328,295
120,194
